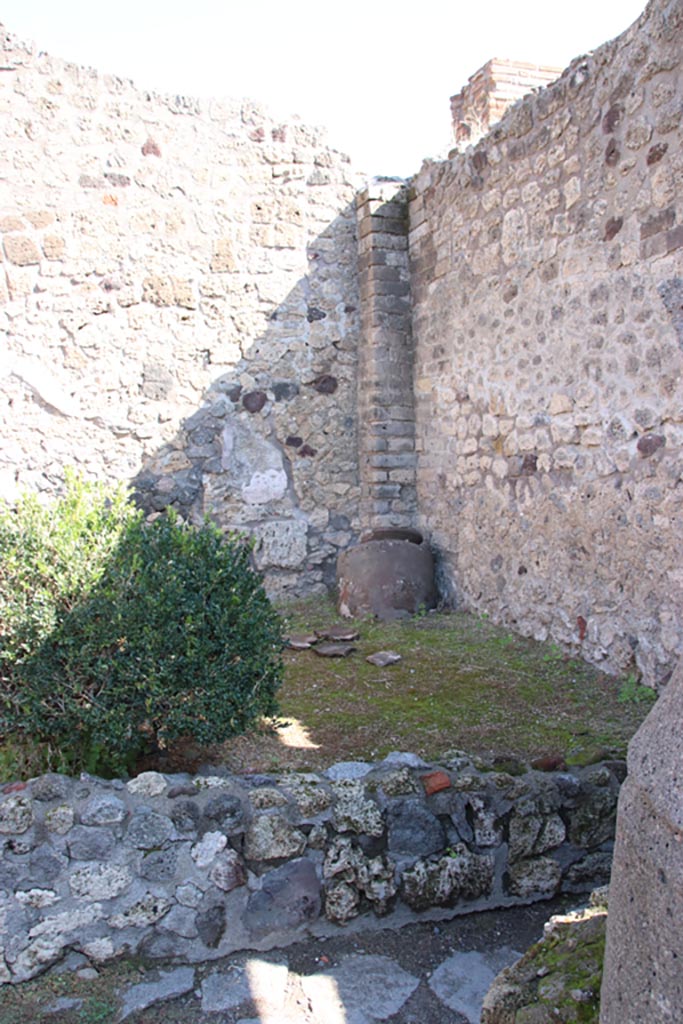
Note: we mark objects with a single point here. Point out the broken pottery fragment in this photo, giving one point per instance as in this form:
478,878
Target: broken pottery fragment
383,658
301,641
334,650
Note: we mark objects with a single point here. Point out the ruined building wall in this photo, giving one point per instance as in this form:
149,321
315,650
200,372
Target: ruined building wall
179,306
547,287
490,91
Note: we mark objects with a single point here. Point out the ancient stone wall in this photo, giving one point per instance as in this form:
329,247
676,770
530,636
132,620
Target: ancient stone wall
547,286
192,868
179,301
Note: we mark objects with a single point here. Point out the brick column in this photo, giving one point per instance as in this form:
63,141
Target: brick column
385,384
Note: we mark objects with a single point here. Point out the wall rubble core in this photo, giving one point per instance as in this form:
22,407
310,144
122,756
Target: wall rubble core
193,868
199,300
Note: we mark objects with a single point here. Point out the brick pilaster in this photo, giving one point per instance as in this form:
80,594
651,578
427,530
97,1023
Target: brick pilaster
386,407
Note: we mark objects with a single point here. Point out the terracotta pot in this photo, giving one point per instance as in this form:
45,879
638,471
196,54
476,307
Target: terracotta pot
389,574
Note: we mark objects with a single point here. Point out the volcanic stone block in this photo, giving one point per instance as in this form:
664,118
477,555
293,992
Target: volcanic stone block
642,978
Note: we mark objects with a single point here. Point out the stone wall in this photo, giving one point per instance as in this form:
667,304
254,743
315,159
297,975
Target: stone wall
192,868
180,305
194,302
547,288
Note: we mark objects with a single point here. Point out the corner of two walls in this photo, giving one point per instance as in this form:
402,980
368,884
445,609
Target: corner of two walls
547,284
196,300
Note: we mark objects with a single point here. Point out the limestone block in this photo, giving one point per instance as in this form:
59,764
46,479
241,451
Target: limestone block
20,250
280,543
270,836
223,259
16,814
100,882
462,874
53,247
535,877
353,811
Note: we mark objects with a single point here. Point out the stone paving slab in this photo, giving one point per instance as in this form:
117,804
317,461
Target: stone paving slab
462,981
432,972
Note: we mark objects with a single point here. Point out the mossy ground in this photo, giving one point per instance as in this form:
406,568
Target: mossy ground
463,683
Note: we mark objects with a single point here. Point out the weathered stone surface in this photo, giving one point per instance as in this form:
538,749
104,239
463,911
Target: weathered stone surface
301,641
51,787
354,811
89,843
194,895
348,770
211,924
516,435
561,970
364,988
105,809
143,912
159,865
147,784
245,298
642,965
311,795
224,991
169,985
289,896
21,250
224,812
16,814
270,836
460,875
147,829
531,834
334,650
205,851
349,874
100,882
413,830
227,871
537,876
462,981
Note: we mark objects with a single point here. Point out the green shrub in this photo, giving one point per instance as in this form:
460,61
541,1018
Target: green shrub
121,633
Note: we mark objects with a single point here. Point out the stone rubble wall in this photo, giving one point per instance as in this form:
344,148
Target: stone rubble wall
179,304
193,868
547,286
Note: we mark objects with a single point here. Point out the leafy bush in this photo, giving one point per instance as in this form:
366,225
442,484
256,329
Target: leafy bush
116,633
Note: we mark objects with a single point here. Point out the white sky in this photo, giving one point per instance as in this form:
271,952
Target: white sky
377,75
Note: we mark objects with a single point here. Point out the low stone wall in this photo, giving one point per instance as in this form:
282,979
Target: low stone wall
194,867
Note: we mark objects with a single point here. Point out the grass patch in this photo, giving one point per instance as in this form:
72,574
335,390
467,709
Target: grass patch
463,683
